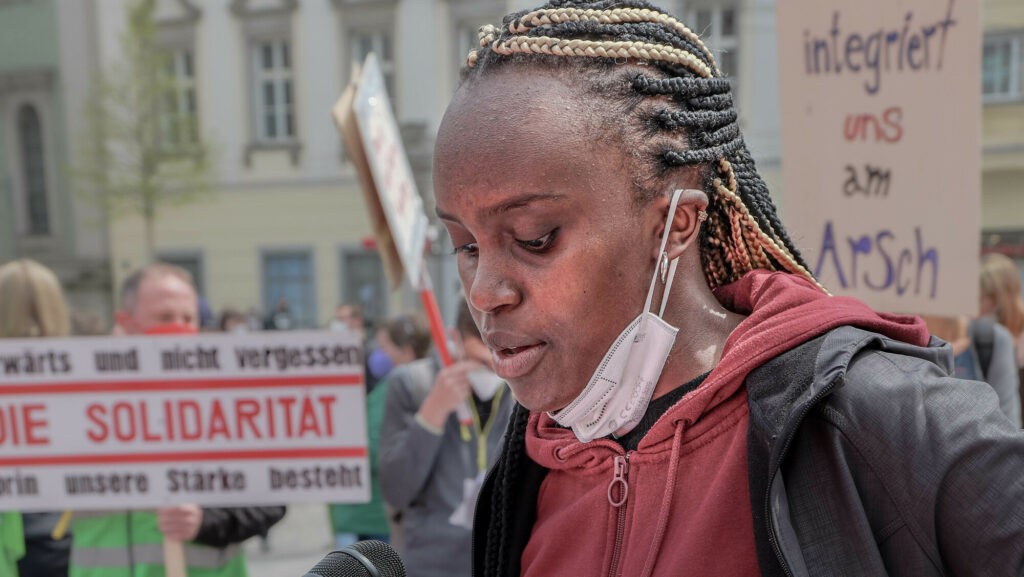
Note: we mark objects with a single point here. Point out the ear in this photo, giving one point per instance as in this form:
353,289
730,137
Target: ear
686,221
124,321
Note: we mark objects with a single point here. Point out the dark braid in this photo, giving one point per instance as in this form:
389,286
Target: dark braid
507,479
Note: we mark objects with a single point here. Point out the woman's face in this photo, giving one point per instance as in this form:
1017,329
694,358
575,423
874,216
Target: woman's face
554,255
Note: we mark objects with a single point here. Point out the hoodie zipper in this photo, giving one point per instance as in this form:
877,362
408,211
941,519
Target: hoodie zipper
772,538
620,476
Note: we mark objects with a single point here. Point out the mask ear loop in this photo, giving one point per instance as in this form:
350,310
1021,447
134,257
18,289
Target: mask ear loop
672,266
701,217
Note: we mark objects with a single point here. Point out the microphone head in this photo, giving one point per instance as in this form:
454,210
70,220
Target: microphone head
340,563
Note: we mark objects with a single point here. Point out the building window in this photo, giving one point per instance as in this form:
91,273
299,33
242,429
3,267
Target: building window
179,124
717,26
1001,69
33,162
288,279
363,281
272,91
380,43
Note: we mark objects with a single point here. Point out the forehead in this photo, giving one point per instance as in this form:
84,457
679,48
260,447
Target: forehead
531,133
158,288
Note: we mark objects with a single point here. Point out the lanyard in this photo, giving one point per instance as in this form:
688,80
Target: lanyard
483,432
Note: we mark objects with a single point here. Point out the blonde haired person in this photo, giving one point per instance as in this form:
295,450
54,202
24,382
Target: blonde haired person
1000,296
31,302
31,305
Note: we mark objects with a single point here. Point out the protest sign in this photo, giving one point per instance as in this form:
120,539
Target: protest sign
142,422
371,136
370,133
881,113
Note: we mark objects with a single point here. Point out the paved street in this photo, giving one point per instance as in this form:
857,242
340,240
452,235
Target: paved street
295,544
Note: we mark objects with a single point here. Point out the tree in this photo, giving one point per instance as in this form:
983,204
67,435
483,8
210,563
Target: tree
143,151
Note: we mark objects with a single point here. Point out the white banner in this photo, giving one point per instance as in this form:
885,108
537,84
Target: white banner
389,165
881,117
141,422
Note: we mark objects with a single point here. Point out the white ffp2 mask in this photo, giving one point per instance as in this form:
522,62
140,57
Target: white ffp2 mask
616,398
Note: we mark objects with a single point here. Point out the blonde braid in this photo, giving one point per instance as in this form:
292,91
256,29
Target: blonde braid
751,242
547,17
766,242
601,49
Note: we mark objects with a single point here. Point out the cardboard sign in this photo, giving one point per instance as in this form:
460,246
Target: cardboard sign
881,116
142,422
371,136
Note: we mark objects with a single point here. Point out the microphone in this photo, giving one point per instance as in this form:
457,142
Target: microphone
362,559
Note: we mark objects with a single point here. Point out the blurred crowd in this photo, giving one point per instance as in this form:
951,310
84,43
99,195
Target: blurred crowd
427,463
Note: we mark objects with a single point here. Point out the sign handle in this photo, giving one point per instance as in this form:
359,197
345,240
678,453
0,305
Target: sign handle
61,528
433,313
174,558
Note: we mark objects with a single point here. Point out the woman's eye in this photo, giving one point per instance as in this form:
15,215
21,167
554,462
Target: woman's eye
539,244
469,248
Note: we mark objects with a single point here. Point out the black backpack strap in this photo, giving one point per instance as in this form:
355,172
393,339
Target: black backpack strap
982,332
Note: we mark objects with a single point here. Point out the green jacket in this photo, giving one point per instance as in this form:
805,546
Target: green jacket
12,543
129,544
367,518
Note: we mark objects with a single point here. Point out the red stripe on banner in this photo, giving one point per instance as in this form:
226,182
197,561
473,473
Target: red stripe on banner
136,458
180,385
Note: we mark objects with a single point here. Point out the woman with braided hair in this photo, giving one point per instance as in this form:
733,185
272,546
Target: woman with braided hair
590,167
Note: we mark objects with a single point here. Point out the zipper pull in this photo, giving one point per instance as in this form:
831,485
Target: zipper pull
621,470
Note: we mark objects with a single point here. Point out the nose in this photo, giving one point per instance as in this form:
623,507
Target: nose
492,287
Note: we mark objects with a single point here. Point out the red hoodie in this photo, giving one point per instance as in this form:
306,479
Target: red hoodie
686,505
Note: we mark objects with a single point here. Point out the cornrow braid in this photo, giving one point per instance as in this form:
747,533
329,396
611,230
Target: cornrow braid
682,105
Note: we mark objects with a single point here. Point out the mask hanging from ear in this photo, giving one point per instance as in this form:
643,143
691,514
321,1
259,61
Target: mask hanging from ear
616,397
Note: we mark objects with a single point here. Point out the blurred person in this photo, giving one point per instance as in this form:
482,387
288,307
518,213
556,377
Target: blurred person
430,465
350,315
86,324
1001,297
207,320
233,321
280,319
691,400
32,305
982,351
407,337
157,295
161,298
254,319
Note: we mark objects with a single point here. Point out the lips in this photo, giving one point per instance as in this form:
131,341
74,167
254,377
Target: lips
514,355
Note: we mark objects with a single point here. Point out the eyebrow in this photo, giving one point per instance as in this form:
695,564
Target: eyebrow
507,205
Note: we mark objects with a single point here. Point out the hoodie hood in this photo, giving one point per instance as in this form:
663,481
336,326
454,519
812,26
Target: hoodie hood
783,311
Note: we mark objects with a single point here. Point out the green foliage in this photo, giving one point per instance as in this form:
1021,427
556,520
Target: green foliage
140,153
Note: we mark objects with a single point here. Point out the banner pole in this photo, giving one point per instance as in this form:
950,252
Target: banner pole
174,558
433,313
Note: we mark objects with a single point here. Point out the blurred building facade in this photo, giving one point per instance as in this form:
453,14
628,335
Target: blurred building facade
1003,129
286,217
40,216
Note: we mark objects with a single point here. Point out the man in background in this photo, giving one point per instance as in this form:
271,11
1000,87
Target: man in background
160,298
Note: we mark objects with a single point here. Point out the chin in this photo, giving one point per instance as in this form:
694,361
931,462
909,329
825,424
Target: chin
537,394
